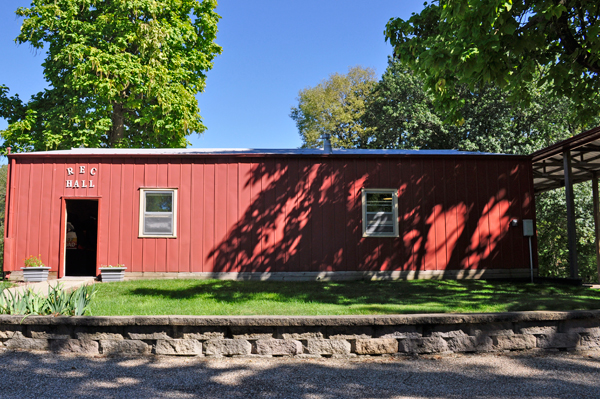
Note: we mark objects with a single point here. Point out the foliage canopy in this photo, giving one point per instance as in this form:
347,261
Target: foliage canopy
120,73
335,106
403,114
455,42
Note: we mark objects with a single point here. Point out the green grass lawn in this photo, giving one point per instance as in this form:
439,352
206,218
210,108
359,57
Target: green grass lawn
216,297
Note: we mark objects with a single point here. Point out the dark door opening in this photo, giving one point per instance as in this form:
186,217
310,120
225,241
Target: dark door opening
81,237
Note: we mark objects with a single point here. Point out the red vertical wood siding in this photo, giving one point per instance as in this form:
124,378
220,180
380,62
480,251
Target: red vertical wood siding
240,214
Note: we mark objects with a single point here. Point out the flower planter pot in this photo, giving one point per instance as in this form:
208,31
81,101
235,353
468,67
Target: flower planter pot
108,274
35,274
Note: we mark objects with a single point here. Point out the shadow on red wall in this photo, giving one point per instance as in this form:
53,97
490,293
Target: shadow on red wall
306,216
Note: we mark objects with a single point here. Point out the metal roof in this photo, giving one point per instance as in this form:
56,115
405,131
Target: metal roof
548,163
237,152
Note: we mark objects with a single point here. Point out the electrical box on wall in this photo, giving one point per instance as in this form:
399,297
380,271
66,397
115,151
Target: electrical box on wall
528,227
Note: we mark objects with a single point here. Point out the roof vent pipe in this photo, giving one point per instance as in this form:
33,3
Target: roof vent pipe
327,143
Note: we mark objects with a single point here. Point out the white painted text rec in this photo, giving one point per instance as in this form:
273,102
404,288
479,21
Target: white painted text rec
81,183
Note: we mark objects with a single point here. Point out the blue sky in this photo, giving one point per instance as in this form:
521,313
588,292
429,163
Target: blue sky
271,50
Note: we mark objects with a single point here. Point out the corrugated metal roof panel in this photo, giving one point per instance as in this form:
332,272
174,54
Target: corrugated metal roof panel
239,151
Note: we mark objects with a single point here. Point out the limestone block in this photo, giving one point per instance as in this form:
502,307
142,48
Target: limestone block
253,336
587,326
30,344
301,333
258,332
481,343
149,332
45,335
422,345
589,342
148,336
445,331
593,331
376,346
328,346
79,346
303,336
558,340
10,331
227,347
491,329
49,332
538,327
514,342
203,333
99,336
184,347
449,334
350,332
278,347
204,336
408,331
124,347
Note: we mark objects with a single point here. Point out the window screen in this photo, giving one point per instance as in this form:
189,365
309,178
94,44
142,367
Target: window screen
380,212
157,213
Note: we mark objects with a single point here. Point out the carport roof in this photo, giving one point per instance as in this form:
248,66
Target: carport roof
548,167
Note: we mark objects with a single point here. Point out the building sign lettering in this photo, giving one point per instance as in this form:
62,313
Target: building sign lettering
81,183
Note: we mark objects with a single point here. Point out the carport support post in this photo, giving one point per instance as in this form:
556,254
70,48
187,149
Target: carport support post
571,234
596,221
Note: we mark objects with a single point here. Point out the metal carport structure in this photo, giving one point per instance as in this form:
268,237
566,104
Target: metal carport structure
563,164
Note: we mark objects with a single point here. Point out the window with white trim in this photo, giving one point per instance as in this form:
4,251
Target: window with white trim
380,212
158,212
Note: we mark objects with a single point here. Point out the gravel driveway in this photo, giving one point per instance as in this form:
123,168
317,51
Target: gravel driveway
532,375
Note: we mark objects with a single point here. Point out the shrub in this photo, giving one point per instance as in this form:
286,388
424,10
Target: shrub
58,301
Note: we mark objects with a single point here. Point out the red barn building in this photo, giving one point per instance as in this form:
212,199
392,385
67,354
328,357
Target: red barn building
286,214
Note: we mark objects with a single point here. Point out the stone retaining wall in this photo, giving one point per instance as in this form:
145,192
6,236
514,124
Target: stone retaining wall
335,336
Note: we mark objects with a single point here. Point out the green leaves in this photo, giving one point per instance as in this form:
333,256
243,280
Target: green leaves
335,106
552,233
506,43
139,62
399,112
57,302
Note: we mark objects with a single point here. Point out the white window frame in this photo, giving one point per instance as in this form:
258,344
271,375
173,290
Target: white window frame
391,191
143,192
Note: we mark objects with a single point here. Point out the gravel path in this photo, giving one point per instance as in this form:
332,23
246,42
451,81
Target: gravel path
532,375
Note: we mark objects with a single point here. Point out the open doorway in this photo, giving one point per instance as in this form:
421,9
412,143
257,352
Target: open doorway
81,237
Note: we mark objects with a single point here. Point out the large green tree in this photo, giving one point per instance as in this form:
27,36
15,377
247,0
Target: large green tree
121,73
401,113
552,42
335,106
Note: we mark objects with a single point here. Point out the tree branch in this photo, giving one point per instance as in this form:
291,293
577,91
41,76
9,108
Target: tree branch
571,45
532,22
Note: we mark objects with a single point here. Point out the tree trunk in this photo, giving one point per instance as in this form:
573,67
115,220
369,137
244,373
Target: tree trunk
117,133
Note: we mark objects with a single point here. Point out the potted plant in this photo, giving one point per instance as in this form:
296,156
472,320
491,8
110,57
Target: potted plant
112,273
34,270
